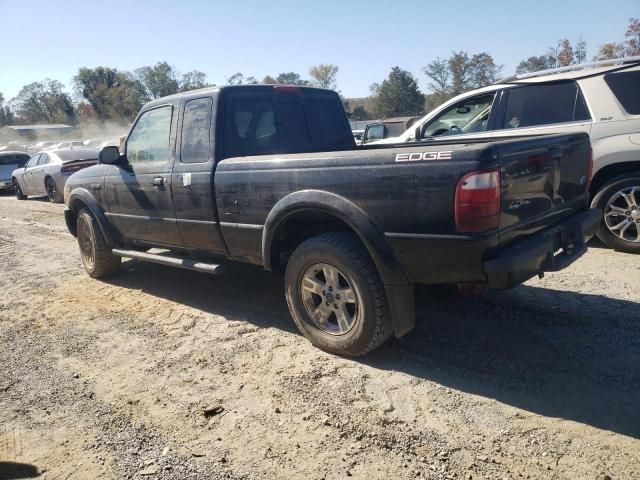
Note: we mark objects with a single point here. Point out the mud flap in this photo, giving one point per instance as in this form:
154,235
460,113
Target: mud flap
402,308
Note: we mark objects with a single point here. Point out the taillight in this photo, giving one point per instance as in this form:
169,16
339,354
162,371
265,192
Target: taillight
287,88
477,207
76,166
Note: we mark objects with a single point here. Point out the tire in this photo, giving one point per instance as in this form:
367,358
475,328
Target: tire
626,237
355,293
18,190
96,255
52,191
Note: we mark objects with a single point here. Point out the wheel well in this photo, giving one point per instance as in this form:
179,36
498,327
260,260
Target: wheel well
297,228
611,171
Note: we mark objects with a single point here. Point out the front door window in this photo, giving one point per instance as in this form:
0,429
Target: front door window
468,116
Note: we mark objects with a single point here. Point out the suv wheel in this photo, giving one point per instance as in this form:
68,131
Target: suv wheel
620,203
96,255
52,191
18,190
335,295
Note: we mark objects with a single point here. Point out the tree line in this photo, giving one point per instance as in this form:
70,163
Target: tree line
109,94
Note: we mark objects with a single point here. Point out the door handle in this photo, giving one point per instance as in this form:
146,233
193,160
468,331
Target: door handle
158,181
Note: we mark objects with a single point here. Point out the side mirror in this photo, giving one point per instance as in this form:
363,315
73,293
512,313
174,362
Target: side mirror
109,156
417,133
365,135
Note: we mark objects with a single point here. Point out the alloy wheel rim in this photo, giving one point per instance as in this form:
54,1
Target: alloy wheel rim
51,189
86,245
330,298
622,214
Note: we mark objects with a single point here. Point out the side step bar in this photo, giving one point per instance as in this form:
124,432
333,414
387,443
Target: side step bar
170,261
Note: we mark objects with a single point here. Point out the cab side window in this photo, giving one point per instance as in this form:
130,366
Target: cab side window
149,139
196,126
44,159
538,105
468,116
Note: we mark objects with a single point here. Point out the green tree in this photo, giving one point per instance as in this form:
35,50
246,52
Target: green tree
459,67
111,94
269,80
580,52
482,71
398,95
236,79
535,64
160,80
193,80
438,74
360,113
44,101
6,115
324,76
290,78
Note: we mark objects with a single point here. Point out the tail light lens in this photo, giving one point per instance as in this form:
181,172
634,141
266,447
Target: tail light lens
77,166
477,205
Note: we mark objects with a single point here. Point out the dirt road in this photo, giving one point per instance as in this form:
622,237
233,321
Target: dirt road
111,379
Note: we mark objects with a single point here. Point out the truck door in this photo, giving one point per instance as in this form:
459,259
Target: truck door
139,193
192,178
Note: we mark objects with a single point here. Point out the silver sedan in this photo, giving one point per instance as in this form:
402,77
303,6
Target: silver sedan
46,172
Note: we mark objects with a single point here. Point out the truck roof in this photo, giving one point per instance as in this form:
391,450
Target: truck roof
207,90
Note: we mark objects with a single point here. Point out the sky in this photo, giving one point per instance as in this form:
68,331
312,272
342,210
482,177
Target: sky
52,39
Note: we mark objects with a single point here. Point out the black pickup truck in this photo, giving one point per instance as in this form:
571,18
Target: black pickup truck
270,175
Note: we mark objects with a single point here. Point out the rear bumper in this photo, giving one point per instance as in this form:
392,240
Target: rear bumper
549,250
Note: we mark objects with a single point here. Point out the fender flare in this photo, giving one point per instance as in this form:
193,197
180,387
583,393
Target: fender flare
81,197
399,290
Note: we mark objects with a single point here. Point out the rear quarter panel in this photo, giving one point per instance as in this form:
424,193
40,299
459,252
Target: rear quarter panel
398,196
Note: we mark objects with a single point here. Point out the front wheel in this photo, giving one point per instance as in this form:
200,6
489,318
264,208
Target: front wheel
96,255
620,204
18,190
335,295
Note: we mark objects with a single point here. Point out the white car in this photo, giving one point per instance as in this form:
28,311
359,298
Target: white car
601,99
46,172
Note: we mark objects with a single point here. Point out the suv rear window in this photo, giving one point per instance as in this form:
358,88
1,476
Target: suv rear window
14,159
537,105
626,87
269,121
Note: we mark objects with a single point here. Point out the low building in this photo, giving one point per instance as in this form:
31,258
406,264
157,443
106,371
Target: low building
32,131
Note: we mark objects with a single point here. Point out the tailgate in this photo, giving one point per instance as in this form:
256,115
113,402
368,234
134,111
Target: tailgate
544,179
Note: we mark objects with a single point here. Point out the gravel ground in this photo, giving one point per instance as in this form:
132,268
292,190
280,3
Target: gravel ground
113,379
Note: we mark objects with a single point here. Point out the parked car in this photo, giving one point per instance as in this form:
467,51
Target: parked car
67,144
47,172
9,161
41,146
601,99
277,181
391,127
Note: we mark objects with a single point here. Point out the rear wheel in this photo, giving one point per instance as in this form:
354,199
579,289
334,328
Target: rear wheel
52,191
18,190
335,295
96,255
620,204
